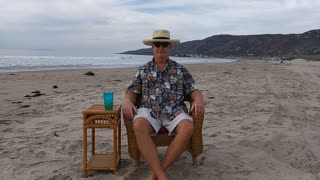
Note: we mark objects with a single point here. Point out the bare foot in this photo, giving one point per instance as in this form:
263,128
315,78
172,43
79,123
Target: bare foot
152,177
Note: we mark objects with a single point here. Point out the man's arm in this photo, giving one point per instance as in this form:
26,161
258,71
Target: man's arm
198,103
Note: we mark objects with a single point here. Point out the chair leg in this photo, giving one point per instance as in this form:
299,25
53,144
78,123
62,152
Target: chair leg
194,161
136,163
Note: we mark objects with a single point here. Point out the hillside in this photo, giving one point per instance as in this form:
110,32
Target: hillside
283,46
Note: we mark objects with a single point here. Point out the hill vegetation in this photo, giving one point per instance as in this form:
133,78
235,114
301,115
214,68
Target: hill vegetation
281,46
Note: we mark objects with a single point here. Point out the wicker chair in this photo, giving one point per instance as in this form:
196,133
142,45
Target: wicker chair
162,139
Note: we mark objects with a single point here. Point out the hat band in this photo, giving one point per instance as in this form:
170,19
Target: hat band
161,38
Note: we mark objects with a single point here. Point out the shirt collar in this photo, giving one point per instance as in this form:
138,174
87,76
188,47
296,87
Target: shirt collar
168,64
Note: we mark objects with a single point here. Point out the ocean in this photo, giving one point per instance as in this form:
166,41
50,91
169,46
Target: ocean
44,63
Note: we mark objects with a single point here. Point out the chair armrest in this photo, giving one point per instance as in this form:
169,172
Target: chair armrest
196,138
132,144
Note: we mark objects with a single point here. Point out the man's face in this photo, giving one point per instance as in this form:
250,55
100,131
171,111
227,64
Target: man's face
161,49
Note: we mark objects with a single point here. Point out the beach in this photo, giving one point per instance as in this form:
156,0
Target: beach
262,122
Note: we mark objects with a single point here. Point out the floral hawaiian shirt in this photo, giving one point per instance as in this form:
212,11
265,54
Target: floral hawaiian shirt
163,92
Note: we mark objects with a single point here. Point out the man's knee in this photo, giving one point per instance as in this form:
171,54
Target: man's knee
142,125
185,126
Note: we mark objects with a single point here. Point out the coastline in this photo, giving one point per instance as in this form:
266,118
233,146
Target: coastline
14,64
261,122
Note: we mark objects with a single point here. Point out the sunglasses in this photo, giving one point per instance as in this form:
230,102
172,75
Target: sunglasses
163,44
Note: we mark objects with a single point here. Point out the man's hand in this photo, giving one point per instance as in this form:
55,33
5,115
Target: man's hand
128,107
198,103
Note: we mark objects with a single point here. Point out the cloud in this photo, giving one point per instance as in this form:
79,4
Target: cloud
97,27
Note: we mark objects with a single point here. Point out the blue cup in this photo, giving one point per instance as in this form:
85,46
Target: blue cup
108,100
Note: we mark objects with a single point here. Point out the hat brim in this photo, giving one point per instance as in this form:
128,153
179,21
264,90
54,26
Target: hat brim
149,42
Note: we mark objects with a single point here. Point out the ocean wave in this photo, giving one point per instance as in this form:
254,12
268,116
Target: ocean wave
40,63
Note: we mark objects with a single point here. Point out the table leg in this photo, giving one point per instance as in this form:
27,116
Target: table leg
119,137
84,152
93,143
115,144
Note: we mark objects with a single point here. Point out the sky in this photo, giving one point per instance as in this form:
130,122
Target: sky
102,27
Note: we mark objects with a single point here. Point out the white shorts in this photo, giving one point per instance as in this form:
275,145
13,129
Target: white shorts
162,121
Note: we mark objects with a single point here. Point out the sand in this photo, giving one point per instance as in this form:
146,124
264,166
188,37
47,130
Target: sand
262,121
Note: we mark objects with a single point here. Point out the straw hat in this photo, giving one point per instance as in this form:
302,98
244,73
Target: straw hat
161,36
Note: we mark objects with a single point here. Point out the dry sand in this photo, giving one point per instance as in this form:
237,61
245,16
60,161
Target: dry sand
262,121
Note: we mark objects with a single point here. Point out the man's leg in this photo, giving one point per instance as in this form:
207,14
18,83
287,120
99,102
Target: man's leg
148,150
184,131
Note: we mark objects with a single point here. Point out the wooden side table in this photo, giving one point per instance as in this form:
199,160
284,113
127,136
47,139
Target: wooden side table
97,117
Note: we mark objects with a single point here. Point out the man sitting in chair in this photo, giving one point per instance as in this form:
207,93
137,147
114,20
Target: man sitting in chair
162,85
